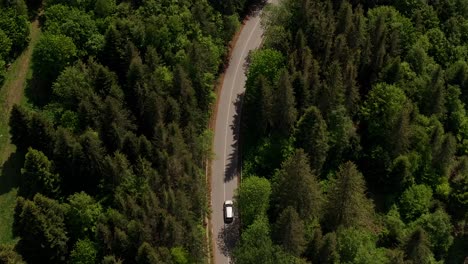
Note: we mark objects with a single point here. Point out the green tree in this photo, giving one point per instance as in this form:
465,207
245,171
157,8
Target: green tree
401,175
84,252
417,248
253,196
266,62
439,228
357,246
415,201
5,45
19,123
51,54
38,175
312,136
290,231
328,252
82,215
41,227
16,27
76,24
347,204
104,8
295,185
266,103
285,106
147,254
382,109
8,255
255,244
43,133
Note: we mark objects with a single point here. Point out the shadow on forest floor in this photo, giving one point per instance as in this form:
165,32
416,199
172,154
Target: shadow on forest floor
10,172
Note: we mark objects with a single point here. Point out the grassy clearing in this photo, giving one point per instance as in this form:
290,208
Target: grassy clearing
10,163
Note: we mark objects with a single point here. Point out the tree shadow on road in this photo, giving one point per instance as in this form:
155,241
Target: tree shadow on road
228,238
232,167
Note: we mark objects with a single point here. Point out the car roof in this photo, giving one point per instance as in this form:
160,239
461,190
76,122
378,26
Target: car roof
228,202
229,213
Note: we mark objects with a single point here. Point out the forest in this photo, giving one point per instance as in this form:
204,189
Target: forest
115,136
354,131
355,134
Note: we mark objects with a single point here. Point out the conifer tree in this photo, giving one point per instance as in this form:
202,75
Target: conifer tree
417,248
312,136
285,106
290,231
347,204
20,122
295,185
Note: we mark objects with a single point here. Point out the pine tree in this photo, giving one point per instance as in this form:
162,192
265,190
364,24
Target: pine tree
328,253
347,203
290,231
285,107
20,122
312,136
418,248
40,224
295,185
265,118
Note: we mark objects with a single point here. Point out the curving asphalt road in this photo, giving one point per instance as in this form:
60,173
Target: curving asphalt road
224,168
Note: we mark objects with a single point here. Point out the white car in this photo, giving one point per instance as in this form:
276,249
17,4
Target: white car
228,211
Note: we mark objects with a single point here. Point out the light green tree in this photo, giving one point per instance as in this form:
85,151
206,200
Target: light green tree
253,198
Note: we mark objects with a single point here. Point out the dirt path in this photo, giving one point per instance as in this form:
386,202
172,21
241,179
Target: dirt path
13,88
10,94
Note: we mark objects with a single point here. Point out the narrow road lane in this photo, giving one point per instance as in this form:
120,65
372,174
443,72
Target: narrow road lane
224,169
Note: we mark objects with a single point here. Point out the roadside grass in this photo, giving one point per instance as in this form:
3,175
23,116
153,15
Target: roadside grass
12,92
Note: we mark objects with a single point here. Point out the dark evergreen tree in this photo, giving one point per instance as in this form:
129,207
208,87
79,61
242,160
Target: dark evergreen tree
347,203
295,185
40,223
312,136
20,123
290,232
285,106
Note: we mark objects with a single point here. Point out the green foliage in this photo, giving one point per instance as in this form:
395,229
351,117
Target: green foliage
265,62
312,135
5,45
16,28
180,255
40,223
415,201
347,203
382,109
9,255
51,55
253,197
84,252
76,24
255,244
439,228
295,185
104,8
83,215
290,232
357,246
19,124
38,176
417,248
